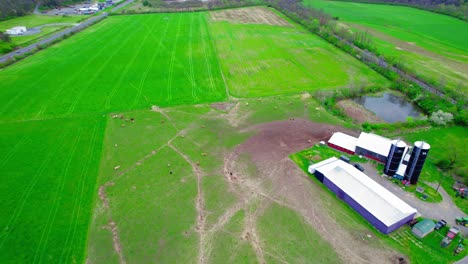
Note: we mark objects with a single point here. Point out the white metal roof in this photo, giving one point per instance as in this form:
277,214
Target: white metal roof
374,143
343,140
422,145
380,202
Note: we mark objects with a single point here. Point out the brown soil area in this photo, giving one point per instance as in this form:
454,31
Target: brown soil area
251,15
358,113
279,180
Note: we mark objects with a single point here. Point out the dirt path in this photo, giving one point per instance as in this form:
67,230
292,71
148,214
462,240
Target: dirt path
112,226
288,186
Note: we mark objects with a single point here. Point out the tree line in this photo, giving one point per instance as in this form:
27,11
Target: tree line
14,8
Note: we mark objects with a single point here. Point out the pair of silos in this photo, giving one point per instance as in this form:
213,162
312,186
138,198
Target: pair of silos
416,161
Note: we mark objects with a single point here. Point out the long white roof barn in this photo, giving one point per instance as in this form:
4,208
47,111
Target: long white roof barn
366,195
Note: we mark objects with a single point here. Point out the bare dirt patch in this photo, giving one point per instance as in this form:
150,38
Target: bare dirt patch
224,106
357,112
251,15
287,185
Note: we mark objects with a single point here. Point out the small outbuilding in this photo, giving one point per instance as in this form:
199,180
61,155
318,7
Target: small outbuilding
16,31
423,228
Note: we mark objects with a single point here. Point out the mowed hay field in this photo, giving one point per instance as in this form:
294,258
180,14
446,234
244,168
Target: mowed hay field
48,174
124,62
262,53
434,46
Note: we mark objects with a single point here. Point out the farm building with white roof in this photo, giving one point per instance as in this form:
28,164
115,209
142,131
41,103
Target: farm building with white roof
343,142
380,207
367,144
16,30
373,146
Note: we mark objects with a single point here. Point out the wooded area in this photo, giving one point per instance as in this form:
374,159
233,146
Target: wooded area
13,8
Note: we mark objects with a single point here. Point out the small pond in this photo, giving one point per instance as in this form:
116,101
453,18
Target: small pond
389,107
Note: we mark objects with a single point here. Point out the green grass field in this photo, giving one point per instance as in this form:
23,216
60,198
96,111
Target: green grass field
432,45
48,188
124,62
142,193
261,60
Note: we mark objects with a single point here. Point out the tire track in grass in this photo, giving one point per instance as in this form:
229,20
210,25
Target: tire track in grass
171,64
70,237
150,65
29,189
18,95
204,35
129,65
191,76
40,250
79,72
14,149
103,65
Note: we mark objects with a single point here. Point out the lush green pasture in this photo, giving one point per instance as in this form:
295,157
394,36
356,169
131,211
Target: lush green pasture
124,62
48,173
293,240
259,60
433,46
142,192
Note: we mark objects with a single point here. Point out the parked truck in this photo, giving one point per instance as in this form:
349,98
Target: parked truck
451,234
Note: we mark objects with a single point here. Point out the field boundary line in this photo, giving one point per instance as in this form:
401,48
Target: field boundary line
46,233
171,64
76,202
26,194
103,65
203,33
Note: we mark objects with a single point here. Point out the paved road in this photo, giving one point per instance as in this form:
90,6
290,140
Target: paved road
52,38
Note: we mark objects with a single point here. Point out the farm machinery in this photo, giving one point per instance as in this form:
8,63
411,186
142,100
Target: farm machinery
462,221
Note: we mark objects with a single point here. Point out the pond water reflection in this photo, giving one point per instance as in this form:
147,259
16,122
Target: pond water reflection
389,107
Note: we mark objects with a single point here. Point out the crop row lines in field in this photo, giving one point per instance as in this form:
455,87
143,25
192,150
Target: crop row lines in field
103,65
79,199
150,65
127,68
171,63
40,250
72,78
25,196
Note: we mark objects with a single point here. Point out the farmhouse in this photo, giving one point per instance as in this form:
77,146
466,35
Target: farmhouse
16,30
380,207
